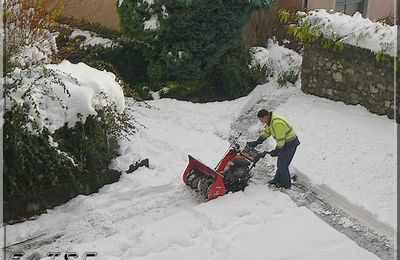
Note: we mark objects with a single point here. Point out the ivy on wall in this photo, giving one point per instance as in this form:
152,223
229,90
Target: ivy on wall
302,30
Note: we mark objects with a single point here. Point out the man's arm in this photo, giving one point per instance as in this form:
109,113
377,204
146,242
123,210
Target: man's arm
279,129
264,135
259,140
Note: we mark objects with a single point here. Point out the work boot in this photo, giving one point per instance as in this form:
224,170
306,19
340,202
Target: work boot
272,182
278,185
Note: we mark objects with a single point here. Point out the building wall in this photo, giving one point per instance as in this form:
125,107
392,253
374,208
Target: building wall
352,75
379,9
291,5
320,4
103,12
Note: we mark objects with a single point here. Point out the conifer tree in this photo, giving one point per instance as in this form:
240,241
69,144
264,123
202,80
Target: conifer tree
196,46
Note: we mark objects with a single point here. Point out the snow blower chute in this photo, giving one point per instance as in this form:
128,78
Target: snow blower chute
231,173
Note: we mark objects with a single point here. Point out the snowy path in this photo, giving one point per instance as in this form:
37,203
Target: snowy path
340,213
369,234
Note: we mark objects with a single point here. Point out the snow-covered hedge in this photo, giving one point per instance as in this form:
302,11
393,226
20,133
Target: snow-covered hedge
61,121
354,30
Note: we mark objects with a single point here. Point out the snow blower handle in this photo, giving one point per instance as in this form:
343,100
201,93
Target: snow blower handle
259,156
235,139
233,142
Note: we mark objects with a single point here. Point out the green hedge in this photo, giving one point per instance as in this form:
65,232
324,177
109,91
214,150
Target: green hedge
32,165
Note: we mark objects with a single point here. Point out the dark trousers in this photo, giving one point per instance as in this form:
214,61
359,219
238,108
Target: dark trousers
285,157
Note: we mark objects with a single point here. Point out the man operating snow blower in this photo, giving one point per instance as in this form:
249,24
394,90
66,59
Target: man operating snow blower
286,145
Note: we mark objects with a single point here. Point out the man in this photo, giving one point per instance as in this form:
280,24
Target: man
286,144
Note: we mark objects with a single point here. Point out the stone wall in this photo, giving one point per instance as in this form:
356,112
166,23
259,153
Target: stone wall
352,75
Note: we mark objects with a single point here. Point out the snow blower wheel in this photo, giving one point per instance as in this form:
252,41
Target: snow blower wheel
193,179
204,186
236,179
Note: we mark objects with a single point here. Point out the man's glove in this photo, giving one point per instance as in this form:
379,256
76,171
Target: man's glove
274,152
252,143
256,142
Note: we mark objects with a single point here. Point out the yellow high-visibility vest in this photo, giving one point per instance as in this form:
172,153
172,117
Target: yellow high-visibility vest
280,130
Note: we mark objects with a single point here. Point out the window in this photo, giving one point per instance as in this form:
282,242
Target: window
351,6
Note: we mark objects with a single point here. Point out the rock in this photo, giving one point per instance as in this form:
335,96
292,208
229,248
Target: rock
353,96
337,76
373,89
328,64
349,71
381,86
136,165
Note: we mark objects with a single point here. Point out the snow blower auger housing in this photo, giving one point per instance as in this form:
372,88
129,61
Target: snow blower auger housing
231,174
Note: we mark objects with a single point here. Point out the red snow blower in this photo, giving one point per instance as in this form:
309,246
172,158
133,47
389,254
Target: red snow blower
231,173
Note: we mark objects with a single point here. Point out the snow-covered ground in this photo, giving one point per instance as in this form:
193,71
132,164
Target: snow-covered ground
152,214
348,149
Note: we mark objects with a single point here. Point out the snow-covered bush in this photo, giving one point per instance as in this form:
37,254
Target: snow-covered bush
281,64
61,120
29,32
65,117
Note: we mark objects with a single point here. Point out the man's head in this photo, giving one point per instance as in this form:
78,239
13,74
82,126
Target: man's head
264,116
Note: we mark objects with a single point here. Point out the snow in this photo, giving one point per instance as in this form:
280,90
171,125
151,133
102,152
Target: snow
90,38
222,230
277,59
152,23
152,214
348,149
355,30
90,89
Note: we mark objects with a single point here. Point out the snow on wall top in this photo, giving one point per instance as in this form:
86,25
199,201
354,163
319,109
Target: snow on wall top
355,30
